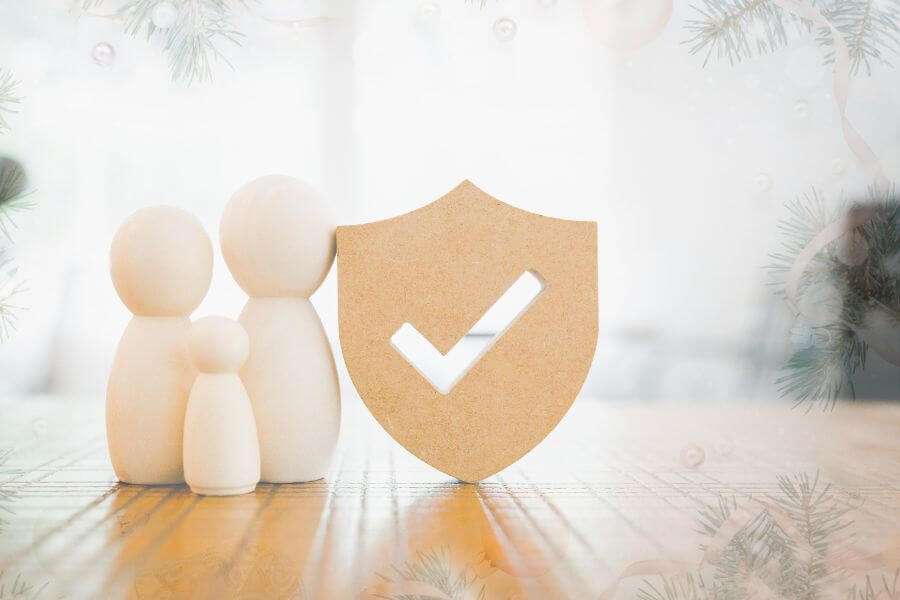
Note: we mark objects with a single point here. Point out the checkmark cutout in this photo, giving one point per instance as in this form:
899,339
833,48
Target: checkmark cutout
444,371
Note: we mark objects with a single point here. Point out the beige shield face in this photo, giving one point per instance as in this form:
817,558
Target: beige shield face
442,295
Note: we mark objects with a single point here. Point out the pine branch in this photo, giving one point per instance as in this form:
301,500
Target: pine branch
19,587
192,41
879,276
887,590
86,5
739,29
761,560
680,587
807,216
9,292
758,560
13,195
434,569
8,97
819,520
7,495
13,198
870,29
824,372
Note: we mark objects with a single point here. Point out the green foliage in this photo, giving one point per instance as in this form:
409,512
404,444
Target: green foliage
824,372
689,586
762,560
8,97
738,30
7,494
759,560
13,198
807,216
9,292
192,43
434,568
880,590
820,522
87,5
870,28
13,195
19,587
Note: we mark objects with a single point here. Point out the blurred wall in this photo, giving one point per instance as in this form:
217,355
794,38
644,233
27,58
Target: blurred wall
384,106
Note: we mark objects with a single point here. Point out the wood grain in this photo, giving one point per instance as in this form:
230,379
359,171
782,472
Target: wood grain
605,492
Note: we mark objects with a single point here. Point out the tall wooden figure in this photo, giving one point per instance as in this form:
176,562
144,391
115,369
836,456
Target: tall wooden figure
278,241
161,266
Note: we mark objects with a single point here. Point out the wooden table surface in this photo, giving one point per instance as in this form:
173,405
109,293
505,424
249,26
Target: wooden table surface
620,501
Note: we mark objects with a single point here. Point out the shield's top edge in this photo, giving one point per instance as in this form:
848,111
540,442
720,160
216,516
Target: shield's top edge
465,187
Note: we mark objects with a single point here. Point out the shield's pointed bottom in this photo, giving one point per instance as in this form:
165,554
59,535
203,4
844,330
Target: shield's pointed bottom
469,477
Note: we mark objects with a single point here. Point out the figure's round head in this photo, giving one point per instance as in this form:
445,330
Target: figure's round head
277,237
161,262
218,345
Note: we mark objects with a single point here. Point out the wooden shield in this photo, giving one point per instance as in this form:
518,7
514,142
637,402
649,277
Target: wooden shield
440,268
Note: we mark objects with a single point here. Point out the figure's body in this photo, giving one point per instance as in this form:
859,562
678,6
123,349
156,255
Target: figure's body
161,266
278,241
146,397
221,450
295,393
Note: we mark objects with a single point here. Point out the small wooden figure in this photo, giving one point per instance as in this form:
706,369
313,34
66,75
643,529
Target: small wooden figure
277,237
161,266
221,448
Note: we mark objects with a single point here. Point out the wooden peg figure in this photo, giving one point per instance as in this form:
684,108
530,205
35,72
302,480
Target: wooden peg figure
277,237
161,266
221,448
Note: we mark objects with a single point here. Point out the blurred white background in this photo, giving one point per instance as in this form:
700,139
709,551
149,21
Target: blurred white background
385,106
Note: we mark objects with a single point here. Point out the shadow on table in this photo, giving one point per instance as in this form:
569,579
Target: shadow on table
188,546
466,540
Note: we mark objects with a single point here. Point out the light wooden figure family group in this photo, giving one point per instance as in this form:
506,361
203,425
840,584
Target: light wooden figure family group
221,404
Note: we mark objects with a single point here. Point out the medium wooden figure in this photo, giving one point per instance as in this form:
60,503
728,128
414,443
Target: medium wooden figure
161,266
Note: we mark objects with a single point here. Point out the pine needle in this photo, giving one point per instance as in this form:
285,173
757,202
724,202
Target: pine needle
761,560
821,374
433,567
820,521
13,195
883,589
13,198
9,293
738,30
86,5
870,28
824,372
689,586
192,43
8,97
7,494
